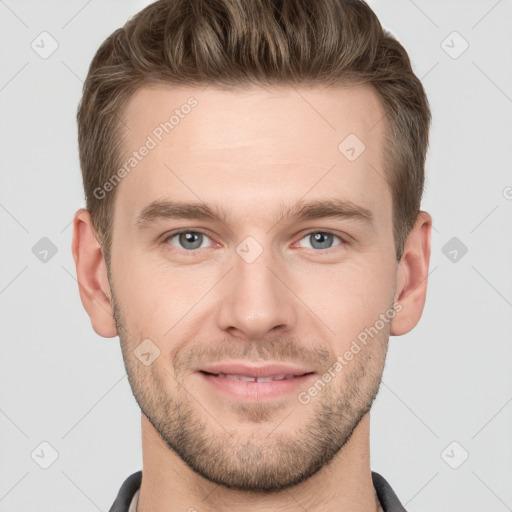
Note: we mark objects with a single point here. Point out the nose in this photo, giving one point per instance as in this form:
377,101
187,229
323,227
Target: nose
255,299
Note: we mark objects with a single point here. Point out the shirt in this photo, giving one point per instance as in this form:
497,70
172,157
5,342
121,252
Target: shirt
127,498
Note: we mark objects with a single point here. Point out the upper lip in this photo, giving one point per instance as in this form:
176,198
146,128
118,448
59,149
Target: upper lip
269,370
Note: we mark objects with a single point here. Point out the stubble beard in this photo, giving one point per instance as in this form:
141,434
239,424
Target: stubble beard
268,459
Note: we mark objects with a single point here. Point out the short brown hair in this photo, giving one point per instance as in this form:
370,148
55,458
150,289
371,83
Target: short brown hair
235,43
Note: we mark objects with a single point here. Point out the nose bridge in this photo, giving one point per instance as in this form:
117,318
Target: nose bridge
255,299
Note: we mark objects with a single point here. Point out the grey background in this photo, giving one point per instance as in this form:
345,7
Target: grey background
447,381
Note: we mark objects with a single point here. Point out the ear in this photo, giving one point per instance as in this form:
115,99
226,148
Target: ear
412,274
91,271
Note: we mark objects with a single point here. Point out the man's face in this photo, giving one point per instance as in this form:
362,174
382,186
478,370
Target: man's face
258,292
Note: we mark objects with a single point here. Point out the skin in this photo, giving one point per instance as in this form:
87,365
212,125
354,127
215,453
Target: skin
251,152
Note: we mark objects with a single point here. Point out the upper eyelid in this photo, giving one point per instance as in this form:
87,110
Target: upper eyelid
172,234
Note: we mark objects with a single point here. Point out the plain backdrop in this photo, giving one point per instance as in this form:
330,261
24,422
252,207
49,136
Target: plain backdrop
442,423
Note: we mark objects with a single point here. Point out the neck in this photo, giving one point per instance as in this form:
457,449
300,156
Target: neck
169,485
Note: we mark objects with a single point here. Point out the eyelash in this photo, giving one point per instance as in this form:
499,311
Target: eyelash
191,251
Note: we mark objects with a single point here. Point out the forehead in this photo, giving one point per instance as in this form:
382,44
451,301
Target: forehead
254,146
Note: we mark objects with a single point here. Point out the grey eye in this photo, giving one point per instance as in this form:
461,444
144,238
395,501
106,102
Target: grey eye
321,239
188,240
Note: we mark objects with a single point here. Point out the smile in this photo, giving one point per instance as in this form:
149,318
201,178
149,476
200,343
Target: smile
252,383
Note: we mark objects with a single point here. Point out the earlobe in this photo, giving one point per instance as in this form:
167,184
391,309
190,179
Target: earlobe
91,273
412,276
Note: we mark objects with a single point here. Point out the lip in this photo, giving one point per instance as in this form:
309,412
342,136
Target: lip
215,376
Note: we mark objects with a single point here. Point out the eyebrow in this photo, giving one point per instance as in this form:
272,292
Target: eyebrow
302,210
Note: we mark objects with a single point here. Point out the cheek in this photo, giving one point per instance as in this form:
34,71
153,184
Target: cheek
155,296
348,298
139,291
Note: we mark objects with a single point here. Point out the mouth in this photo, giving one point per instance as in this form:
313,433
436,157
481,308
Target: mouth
240,381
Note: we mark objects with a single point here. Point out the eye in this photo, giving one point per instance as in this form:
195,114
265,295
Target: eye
321,239
188,240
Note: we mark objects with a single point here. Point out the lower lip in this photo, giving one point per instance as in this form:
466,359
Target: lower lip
256,390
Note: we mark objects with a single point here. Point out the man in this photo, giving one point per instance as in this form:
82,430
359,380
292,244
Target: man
253,174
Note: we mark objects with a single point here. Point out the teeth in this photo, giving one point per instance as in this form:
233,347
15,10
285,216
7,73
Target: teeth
245,378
